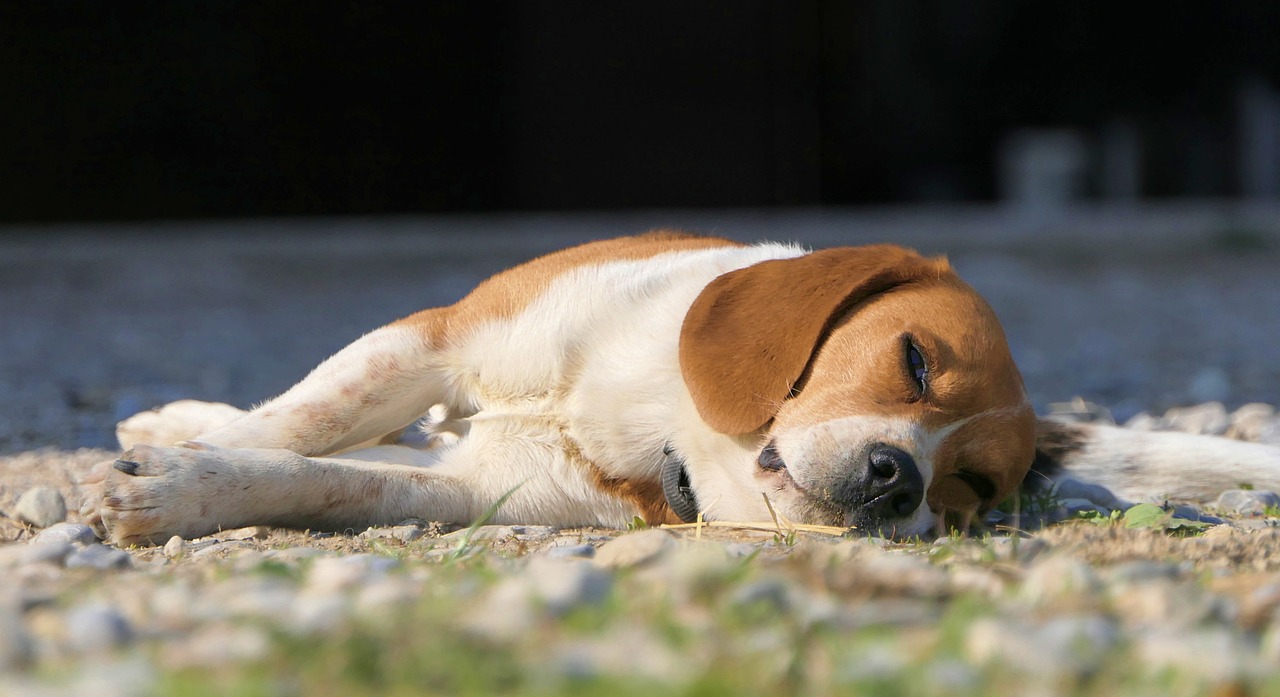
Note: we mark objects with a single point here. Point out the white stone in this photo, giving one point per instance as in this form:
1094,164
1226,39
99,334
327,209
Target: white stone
254,532
401,533
1246,501
41,506
175,547
340,573
564,584
49,552
96,628
101,557
1209,418
1249,421
1061,646
318,612
1214,653
1057,576
73,533
634,548
504,614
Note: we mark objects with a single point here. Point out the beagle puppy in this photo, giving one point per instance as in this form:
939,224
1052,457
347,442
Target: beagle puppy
664,376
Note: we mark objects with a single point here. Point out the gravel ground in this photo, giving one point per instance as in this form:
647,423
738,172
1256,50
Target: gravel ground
99,324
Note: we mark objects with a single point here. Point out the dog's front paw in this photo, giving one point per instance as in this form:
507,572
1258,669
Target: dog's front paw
91,497
174,422
151,494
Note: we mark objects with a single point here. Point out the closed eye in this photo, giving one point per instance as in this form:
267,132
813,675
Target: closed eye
917,367
982,486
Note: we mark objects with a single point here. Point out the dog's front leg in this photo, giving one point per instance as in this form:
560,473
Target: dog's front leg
379,384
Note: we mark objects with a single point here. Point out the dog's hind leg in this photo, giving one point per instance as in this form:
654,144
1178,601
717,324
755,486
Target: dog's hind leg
377,385
1151,465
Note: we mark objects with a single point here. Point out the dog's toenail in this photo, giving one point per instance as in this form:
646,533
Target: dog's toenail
126,466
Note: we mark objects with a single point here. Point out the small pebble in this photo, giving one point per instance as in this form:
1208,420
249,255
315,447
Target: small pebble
401,533
1057,576
203,548
339,573
48,552
97,628
175,547
1246,501
1250,421
255,532
634,548
527,533
99,556
317,613
578,551
1070,488
1213,653
771,592
563,584
1142,421
1019,549
1071,645
1186,511
73,533
1142,570
41,506
1208,419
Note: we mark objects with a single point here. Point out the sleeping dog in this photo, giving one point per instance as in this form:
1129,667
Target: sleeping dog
666,376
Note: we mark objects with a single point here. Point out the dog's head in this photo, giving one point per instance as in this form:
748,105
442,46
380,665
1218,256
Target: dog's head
881,387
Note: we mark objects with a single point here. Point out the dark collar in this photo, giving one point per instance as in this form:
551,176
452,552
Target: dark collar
677,488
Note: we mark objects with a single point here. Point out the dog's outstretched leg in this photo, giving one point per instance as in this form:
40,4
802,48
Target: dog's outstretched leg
377,385
1151,465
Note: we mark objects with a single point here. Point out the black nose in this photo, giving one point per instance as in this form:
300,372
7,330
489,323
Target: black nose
894,487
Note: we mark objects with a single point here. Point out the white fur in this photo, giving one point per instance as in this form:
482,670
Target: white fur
1168,465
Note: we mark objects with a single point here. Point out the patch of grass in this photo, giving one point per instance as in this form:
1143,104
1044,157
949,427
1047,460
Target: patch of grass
1147,516
465,549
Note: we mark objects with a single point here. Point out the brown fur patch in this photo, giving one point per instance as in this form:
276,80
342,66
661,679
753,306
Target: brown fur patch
644,494
750,334
506,294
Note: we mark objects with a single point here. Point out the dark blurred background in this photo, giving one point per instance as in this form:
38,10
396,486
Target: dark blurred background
133,111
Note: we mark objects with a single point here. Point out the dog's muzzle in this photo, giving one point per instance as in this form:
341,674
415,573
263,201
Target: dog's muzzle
873,491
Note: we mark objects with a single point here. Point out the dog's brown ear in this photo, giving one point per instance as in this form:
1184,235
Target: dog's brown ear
749,335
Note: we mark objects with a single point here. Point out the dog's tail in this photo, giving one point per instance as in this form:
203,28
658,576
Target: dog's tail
1151,465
